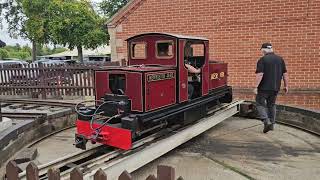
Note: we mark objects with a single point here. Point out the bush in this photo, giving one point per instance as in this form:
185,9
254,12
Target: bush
3,53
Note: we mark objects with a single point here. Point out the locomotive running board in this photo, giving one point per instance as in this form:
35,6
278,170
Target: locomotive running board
153,151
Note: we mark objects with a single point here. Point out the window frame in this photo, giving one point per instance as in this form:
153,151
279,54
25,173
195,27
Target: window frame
156,49
145,50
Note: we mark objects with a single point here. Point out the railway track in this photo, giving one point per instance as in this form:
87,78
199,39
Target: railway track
37,102
95,158
27,120
90,157
17,109
145,150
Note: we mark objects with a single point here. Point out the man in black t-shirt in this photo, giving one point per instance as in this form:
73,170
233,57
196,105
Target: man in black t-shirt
271,69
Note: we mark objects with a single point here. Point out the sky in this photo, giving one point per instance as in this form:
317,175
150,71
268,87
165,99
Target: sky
4,35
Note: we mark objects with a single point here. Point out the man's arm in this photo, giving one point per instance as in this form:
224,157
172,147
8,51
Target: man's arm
192,69
258,80
285,80
259,74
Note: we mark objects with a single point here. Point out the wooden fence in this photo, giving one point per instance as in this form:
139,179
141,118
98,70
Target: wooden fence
32,173
49,80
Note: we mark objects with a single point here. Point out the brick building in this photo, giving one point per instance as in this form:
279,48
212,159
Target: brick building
236,30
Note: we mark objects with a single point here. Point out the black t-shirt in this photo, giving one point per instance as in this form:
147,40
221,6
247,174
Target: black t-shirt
273,67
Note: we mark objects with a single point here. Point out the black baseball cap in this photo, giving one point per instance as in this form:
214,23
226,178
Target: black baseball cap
266,45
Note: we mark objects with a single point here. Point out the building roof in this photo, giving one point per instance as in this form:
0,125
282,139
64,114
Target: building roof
170,34
104,50
2,44
123,12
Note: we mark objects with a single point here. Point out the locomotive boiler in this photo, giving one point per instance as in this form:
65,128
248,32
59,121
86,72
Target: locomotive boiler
153,91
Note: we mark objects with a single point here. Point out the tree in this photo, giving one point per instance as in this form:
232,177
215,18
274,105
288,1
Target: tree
3,53
109,7
27,19
75,24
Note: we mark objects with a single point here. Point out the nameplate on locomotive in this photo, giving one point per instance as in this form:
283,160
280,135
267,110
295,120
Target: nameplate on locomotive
159,77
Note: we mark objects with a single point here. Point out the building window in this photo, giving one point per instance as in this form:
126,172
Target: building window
164,49
139,50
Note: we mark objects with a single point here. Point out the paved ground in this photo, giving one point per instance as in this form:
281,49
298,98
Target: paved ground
234,149
237,149
58,146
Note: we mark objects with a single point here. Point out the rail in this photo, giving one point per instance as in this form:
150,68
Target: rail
38,102
31,119
113,162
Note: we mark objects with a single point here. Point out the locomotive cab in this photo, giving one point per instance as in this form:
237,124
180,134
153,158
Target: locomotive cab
153,90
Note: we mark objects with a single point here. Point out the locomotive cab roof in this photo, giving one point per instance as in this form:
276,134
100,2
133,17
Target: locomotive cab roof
178,36
166,49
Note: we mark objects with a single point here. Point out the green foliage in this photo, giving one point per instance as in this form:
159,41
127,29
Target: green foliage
18,52
109,7
48,51
58,50
27,19
14,16
3,53
71,23
37,21
24,52
75,24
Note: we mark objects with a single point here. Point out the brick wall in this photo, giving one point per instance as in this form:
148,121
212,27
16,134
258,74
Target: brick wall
236,30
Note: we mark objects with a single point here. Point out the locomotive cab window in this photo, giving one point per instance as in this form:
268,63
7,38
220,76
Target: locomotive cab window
139,50
164,49
194,54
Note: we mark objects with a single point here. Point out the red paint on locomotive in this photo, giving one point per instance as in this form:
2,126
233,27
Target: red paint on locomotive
112,136
152,90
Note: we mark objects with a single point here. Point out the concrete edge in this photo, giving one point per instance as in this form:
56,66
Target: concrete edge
302,118
20,135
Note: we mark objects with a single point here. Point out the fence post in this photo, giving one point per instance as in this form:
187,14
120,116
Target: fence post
76,174
125,176
12,171
100,175
165,173
32,172
42,81
54,174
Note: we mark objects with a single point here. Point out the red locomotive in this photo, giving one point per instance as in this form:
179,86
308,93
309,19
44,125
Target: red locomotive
157,89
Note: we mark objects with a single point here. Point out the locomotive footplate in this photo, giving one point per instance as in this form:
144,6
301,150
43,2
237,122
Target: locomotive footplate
221,95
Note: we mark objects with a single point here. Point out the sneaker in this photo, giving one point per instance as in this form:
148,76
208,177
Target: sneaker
267,126
271,127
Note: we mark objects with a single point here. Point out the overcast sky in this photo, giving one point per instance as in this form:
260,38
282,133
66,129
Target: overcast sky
4,36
